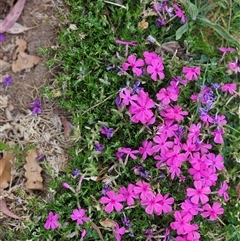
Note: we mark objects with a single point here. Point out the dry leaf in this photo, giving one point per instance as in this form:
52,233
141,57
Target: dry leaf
5,170
98,230
21,60
24,61
18,28
67,127
238,190
4,66
143,24
6,211
33,171
108,223
13,16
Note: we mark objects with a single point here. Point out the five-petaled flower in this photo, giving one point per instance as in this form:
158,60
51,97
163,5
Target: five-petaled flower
52,221
113,201
191,73
200,192
134,63
79,216
156,69
212,212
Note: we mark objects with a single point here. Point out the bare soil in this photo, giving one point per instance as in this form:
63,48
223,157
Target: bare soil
45,131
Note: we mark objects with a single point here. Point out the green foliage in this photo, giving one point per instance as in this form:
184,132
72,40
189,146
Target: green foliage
88,92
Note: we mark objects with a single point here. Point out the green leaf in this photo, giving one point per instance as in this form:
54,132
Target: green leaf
181,31
192,10
219,29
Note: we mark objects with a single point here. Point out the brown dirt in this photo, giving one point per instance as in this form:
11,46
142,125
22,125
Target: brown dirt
47,129
27,84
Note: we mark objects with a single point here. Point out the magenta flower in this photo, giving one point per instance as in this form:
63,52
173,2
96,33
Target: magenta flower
118,232
200,192
213,211
141,110
134,63
168,128
152,205
146,149
179,13
181,223
144,190
150,56
194,131
174,113
191,73
126,96
113,201
229,87
156,69
165,203
218,135
133,43
66,185
190,209
79,216
225,49
215,162
167,95
174,157
129,194
162,144
223,191
128,151
234,66
52,221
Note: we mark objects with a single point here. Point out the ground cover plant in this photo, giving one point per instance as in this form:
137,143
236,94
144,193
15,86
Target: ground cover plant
158,119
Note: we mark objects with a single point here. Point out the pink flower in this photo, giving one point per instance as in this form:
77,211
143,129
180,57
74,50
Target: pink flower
179,13
215,162
230,87
213,211
168,128
113,201
126,96
152,205
225,49
52,221
156,69
234,66
181,223
133,43
150,56
174,113
223,191
118,232
128,151
165,203
129,194
218,135
167,95
161,143
194,131
79,216
191,73
66,185
158,204
190,209
144,190
134,64
146,149
141,110
200,192
174,157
